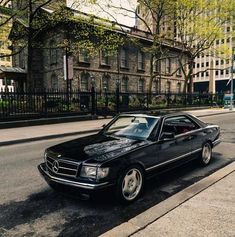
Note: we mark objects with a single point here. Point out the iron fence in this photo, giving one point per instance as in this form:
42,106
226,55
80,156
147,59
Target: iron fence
38,104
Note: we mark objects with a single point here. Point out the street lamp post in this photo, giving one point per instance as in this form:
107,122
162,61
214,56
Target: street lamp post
231,88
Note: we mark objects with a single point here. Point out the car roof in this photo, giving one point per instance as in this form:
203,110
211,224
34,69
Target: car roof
158,114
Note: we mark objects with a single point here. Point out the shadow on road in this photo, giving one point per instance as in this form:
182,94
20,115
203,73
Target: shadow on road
101,213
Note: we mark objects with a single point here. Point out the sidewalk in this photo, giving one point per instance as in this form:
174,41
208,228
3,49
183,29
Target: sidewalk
206,208
11,136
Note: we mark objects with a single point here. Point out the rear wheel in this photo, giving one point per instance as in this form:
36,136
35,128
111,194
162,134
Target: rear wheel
206,154
130,184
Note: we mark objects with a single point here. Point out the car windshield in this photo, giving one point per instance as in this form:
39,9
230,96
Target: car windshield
133,127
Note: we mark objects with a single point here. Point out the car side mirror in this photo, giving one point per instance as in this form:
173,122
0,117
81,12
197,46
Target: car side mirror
103,125
166,136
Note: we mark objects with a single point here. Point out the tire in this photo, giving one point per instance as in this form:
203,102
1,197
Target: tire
206,154
130,184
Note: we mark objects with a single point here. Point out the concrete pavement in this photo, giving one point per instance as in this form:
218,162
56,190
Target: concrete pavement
11,136
207,208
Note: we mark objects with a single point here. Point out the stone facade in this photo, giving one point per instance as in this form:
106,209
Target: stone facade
128,66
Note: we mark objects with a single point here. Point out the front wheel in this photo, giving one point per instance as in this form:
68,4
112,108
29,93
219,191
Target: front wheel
130,184
206,154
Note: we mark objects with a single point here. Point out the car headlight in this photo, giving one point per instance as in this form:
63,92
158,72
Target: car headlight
88,172
102,173
94,172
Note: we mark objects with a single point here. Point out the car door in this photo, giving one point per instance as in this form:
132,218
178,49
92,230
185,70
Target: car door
171,150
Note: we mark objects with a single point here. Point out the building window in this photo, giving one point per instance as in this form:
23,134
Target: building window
168,65
155,87
221,72
141,86
168,87
124,84
207,74
22,59
216,72
217,62
157,66
105,82
124,58
179,70
207,64
202,64
84,56
178,87
85,81
54,82
6,82
140,60
222,62
104,57
53,53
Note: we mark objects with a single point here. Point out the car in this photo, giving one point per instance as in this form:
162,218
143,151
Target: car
127,151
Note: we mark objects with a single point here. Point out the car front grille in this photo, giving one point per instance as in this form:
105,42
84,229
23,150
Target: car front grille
62,167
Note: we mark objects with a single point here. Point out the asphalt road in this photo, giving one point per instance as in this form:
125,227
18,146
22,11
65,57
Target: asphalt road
28,207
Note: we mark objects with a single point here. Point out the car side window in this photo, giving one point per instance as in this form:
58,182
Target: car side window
179,125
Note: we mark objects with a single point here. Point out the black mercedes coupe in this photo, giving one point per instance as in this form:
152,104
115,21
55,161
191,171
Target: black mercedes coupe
131,148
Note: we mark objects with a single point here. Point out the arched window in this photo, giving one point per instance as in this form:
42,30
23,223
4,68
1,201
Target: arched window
85,76
141,86
105,82
155,86
168,87
124,85
53,52
178,88
54,82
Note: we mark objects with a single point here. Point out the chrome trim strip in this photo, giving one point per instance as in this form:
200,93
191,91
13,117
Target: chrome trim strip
64,168
59,173
216,142
69,182
174,159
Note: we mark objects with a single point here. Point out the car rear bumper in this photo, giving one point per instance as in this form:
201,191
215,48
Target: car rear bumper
50,179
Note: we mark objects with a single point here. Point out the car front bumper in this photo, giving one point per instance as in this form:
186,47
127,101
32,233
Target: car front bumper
216,142
50,179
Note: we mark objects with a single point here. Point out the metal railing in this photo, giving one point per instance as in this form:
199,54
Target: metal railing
38,104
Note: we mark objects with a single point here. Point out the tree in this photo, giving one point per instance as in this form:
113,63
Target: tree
199,24
156,18
33,19
193,25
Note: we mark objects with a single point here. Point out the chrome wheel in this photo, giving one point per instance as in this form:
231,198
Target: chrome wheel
206,153
132,184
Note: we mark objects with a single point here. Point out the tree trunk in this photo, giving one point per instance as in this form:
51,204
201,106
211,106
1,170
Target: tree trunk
30,83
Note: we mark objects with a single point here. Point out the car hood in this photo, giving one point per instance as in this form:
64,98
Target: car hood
95,148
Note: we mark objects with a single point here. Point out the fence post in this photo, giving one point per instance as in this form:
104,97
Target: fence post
168,99
106,101
148,97
117,98
45,102
93,107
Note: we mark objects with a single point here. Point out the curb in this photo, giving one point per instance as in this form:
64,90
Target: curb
154,213
33,139
47,137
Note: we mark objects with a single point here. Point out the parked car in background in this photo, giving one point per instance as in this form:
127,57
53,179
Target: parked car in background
131,148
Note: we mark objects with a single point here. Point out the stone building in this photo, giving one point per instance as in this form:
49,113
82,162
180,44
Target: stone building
5,60
128,67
